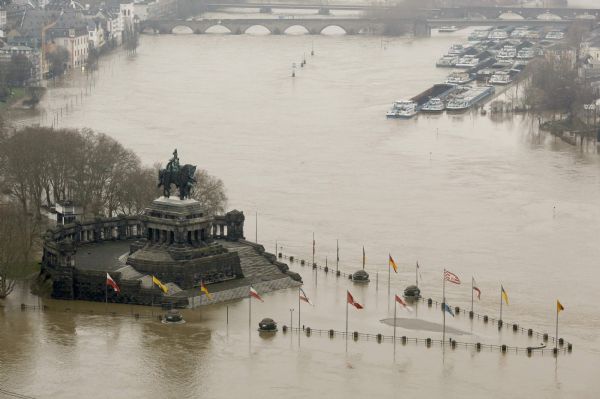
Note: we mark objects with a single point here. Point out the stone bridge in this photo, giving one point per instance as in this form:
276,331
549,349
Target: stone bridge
280,26
529,13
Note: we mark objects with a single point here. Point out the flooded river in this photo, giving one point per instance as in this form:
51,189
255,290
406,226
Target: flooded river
486,197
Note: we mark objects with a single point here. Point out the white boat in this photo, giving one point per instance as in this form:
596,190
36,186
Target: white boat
447,29
468,61
466,100
507,52
433,105
447,61
498,34
501,78
459,78
555,35
479,34
526,53
402,109
457,49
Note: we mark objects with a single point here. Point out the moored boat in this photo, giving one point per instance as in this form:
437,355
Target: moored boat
466,100
459,78
402,109
501,78
433,105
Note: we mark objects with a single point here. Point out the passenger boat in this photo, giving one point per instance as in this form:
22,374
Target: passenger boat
466,100
479,34
468,61
447,29
433,105
501,78
457,49
447,61
459,78
507,52
555,35
526,53
402,109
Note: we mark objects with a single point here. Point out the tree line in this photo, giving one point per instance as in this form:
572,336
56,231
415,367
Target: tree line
41,166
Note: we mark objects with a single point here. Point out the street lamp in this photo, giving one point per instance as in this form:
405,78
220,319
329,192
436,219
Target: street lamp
291,320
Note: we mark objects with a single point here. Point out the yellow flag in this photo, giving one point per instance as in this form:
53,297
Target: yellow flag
205,290
160,285
504,295
392,264
559,306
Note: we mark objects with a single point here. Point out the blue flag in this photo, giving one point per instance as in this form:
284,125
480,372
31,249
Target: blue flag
447,309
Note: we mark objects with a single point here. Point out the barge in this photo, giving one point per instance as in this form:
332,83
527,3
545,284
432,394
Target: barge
471,97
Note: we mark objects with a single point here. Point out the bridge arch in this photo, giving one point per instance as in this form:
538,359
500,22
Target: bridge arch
510,15
218,29
548,16
296,29
182,30
332,30
257,30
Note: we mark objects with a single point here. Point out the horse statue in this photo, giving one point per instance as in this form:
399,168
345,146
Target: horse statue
181,176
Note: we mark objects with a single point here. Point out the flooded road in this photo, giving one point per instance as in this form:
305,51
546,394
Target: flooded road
485,197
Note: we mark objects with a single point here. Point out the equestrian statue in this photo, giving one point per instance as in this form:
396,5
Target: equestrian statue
181,176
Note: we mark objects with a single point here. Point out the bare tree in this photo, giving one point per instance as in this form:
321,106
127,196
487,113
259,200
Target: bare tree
13,247
210,192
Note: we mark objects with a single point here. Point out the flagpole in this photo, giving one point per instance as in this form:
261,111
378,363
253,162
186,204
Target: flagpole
389,276
346,321
472,293
500,302
298,312
337,255
394,329
313,258
417,274
556,336
444,309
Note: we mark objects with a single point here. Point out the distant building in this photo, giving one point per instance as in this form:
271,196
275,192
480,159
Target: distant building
3,18
64,213
71,32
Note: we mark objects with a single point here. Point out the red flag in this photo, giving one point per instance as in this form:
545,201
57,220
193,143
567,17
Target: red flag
352,302
255,294
403,303
112,283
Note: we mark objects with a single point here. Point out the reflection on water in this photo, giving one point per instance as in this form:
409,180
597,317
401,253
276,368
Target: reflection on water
485,196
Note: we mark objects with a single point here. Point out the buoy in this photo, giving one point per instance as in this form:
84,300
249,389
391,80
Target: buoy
457,310
452,343
428,342
331,333
280,255
379,338
478,346
284,328
485,319
349,277
355,335
302,262
503,348
291,258
545,337
404,340
515,327
529,351
530,332
570,347
471,314
307,331
429,302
